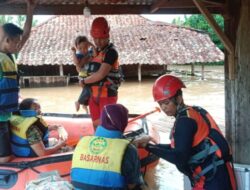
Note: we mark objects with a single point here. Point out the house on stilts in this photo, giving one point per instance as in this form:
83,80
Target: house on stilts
145,48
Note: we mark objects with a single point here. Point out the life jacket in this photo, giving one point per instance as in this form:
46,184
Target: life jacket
208,142
109,85
8,85
19,126
97,161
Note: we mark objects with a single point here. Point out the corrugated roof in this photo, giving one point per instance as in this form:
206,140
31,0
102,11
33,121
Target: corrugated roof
137,39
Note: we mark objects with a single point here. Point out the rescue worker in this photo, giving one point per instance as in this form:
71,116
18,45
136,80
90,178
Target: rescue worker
30,133
105,75
107,160
198,148
12,39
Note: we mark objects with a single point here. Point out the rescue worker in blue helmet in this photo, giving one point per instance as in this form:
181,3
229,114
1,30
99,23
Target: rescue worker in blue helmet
197,148
107,160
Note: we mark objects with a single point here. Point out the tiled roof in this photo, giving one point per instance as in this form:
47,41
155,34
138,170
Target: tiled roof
137,40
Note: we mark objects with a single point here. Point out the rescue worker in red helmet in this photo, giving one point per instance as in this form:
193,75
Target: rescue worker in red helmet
197,148
105,76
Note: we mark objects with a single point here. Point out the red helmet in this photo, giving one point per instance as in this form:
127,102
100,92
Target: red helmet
166,87
100,28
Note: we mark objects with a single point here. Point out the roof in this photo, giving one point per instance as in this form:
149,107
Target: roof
75,7
137,40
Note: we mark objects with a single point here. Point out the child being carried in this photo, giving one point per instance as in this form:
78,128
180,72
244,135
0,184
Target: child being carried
82,54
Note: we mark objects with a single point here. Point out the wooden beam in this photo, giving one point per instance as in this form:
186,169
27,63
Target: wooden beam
187,4
175,4
157,5
73,9
187,10
215,2
225,40
77,9
210,19
2,2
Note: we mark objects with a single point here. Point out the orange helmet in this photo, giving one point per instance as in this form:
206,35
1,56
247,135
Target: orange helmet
166,87
100,28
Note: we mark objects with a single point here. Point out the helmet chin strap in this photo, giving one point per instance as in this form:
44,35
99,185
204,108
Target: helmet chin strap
174,100
179,107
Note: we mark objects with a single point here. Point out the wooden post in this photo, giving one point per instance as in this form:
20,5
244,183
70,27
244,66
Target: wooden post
165,68
237,106
139,72
61,70
202,71
231,66
237,91
192,69
67,80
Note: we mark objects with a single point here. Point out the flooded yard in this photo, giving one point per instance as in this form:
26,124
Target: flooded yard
137,97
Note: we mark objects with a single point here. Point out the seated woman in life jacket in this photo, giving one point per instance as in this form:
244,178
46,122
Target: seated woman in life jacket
30,132
198,147
107,160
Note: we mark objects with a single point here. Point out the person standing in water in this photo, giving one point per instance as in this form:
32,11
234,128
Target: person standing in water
105,76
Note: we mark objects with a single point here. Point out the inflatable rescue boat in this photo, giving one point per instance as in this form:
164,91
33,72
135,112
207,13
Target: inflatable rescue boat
15,174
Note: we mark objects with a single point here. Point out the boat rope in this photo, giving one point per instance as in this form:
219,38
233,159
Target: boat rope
32,164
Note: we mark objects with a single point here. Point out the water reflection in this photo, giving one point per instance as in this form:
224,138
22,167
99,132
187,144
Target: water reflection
208,93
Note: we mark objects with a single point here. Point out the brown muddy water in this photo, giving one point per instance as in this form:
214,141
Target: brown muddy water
137,97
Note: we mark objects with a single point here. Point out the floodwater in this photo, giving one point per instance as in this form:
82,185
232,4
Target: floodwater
137,97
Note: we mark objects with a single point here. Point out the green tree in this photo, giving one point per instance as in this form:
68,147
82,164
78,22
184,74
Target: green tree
177,21
19,20
199,22
5,19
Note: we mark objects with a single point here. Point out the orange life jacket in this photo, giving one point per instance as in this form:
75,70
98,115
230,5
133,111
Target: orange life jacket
208,139
111,82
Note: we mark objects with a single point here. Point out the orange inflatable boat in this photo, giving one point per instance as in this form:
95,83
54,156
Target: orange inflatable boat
15,174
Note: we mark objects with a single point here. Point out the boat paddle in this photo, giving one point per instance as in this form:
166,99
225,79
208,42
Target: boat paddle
157,109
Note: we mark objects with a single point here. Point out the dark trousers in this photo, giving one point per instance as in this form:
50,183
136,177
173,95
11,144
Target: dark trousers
5,149
85,95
